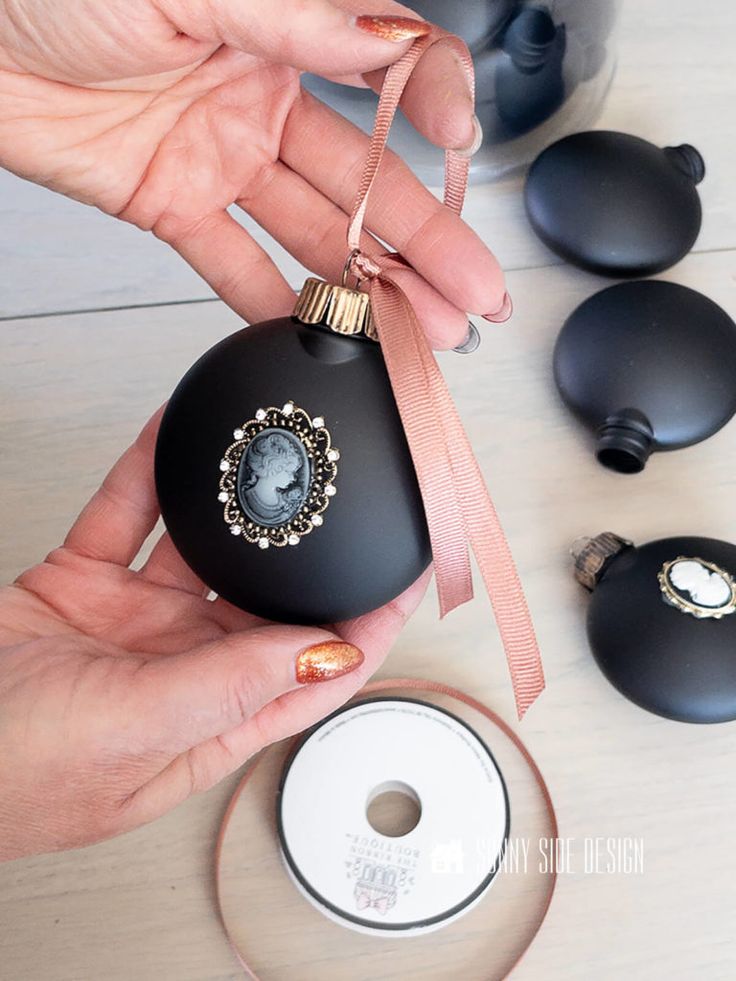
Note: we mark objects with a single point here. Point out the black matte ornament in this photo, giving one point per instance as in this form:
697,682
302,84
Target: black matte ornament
284,476
661,622
616,204
647,365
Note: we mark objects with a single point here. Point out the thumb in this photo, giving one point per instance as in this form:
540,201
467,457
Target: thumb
312,35
209,691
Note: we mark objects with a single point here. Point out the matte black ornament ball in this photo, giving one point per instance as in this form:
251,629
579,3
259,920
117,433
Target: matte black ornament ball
616,204
662,622
283,472
647,366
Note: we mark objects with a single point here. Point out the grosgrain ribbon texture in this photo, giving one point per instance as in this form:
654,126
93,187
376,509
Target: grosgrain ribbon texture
459,510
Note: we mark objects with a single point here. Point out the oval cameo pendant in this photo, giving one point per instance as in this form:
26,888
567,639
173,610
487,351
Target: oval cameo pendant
278,476
697,587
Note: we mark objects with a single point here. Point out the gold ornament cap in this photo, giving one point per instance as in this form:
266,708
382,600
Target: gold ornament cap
338,308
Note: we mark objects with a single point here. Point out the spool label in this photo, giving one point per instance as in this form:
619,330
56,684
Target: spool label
370,881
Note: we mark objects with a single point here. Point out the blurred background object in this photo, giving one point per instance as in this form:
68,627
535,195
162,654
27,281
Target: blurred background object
542,71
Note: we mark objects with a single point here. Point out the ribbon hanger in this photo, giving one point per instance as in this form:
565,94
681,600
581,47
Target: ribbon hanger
459,511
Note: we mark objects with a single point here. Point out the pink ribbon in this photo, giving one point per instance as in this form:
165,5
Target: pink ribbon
459,511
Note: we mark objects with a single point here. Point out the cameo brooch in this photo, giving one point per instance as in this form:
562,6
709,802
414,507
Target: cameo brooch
278,476
697,587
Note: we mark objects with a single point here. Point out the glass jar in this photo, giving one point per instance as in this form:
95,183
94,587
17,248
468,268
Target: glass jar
542,71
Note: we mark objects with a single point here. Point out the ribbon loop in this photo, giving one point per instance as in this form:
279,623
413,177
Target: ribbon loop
459,511
363,267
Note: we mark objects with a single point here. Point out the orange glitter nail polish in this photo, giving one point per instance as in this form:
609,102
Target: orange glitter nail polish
322,662
393,28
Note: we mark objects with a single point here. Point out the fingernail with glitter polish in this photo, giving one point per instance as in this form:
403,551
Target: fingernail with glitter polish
323,662
503,313
477,140
393,28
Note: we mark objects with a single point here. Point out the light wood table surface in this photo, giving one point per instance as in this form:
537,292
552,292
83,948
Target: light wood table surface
99,323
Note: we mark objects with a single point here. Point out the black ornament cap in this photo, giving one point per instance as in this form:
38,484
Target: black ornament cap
687,160
625,441
614,203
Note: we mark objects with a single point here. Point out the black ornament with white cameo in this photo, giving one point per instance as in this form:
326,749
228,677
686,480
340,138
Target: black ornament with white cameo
282,468
661,622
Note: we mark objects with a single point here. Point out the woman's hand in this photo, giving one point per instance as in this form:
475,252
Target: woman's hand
167,112
122,692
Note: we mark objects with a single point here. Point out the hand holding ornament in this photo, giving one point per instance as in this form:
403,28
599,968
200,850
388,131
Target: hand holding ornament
167,114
